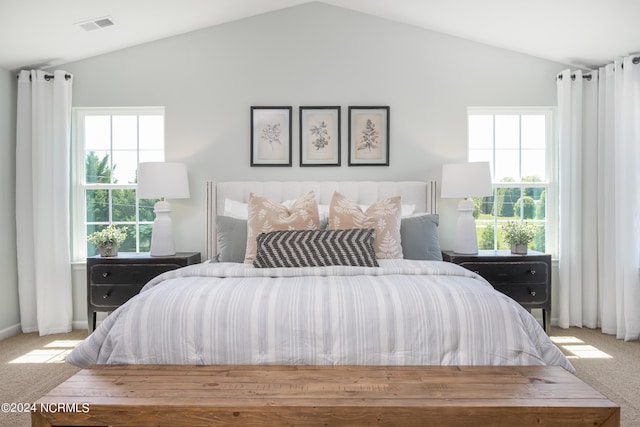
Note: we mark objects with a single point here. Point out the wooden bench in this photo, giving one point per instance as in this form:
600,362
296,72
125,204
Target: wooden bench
325,395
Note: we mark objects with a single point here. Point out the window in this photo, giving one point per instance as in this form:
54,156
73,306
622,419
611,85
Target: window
109,144
518,143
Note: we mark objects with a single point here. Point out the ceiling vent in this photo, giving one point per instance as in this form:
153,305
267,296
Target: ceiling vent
96,24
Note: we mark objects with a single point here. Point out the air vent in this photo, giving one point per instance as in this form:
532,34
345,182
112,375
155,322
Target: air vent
96,24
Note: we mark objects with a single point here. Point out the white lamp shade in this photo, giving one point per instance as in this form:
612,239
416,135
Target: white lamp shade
463,180
162,179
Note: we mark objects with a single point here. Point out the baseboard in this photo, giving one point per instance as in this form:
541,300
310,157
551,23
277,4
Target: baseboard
10,331
79,324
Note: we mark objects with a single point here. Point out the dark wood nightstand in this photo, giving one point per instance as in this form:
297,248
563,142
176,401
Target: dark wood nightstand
525,278
112,281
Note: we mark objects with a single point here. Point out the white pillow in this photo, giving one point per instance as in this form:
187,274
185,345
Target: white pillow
407,210
236,209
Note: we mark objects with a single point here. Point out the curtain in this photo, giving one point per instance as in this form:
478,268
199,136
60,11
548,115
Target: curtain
42,201
599,177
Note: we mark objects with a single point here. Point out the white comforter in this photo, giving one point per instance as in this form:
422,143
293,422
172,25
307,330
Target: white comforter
401,313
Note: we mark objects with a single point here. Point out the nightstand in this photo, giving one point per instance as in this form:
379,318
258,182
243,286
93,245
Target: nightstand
112,281
525,278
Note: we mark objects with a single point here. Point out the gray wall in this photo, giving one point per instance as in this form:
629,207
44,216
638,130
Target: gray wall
9,311
314,54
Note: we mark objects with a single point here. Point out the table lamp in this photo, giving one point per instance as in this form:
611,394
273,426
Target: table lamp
462,181
162,180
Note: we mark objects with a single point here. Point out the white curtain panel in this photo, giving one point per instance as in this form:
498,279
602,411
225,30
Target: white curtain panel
42,201
599,259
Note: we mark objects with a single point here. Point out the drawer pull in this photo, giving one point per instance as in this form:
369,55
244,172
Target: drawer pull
107,295
532,272
105,274
532,293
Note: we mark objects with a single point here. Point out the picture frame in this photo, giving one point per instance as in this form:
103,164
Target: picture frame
271,136
320,143
369,136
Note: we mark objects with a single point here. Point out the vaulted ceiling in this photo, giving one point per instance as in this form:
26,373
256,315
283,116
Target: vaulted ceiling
583,33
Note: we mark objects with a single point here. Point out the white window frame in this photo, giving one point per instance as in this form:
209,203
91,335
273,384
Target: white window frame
551,166
78,201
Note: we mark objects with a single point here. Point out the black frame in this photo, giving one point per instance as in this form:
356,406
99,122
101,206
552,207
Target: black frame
384,151
335,161
254,161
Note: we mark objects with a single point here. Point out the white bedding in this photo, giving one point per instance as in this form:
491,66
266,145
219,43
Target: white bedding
401,313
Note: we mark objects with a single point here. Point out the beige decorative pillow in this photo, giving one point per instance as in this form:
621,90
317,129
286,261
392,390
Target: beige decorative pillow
265,215
383,216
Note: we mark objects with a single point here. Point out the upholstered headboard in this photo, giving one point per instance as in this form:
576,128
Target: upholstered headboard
421,194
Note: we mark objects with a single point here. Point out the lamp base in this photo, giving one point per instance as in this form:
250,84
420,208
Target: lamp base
466,242
162,233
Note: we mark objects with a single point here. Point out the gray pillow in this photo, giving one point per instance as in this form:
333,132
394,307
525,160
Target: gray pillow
232,239
419,236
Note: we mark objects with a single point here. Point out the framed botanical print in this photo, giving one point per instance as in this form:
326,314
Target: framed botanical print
368,136
270,136
319,136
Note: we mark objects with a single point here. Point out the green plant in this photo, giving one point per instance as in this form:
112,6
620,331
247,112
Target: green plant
519,233
110,235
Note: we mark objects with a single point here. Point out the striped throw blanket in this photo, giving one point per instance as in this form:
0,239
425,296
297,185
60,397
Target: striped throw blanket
401,313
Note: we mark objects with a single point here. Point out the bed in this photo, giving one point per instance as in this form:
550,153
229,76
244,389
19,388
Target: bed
411,312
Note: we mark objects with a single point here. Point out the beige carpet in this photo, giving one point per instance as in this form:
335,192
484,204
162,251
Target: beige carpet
609,365
30,367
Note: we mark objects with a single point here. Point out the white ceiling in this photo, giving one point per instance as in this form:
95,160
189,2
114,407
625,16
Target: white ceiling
43,33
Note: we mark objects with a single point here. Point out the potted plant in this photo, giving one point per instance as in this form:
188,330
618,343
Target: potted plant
518,235
108,239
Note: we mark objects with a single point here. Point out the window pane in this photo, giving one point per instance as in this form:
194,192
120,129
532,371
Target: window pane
129,244
125,132
91,249
539,239
534,164
124,205
507,166
97,133
485,232
97,167
525,207
508,132
125,166
502,245
97,205
506,203
534,132
481,131
151,133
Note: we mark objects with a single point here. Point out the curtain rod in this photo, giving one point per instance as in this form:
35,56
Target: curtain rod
48,77
573,77
635,61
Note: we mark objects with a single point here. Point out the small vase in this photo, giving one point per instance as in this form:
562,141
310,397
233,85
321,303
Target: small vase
108,250
519,248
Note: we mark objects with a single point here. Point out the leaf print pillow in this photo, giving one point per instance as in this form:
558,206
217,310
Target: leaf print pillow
383,216
265,215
